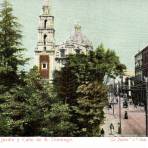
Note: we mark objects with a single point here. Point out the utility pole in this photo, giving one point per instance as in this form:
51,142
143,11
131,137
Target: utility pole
146,109
113,95
120,129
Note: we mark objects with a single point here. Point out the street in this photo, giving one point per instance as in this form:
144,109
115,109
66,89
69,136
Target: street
134,126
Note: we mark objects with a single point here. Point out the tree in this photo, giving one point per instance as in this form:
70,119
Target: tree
60,121
88,74
10,47
33,109
89,109
65,83
10,59
27,106
106,62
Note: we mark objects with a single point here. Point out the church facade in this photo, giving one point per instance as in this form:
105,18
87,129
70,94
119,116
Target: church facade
50,56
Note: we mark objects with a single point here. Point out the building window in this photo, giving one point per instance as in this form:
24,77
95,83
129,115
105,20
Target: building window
44,65
62,51
45,39
45,24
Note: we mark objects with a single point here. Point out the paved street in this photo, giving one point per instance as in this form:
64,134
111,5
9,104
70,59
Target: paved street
131,127
135,125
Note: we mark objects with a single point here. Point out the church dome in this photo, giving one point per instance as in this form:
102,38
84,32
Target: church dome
78,38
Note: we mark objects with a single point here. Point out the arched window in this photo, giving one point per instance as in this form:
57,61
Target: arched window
45,39
45,24
62,51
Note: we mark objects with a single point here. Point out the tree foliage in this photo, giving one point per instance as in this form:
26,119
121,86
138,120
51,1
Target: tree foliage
65,83
11,57
11,49
89,109
27,106
60,123
83,79
32,109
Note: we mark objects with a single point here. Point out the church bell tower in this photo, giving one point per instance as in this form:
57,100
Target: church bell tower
45,49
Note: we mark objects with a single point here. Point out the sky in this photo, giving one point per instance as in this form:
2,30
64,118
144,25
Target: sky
121,25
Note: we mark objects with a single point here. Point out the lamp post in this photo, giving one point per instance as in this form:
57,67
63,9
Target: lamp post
119,93
113,106
120,129
113,95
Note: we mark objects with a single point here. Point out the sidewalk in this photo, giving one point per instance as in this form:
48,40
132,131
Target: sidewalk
110,118
131,108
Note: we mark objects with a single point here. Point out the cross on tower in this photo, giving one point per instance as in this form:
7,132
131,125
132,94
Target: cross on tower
46,7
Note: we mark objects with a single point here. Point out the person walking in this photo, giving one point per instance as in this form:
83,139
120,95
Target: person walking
119,128
111,128
125,115
102,132
117,100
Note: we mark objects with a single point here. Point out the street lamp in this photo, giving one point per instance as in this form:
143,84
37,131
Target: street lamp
119,94
120,129
113,95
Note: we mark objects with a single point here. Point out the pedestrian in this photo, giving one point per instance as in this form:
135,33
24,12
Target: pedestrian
102,132
119,128
111,128
125,115
117,100
135,105
110,106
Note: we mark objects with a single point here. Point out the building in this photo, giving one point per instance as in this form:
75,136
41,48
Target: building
128,82
138,66
141,71
145,61
141,64
49,55
76,43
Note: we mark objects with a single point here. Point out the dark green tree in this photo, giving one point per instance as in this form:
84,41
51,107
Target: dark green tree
60,120
26,107
65,83
89,109
89,73
10,59
108,62
10,47
33,109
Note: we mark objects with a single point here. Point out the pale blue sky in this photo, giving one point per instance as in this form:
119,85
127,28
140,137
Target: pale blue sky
121,25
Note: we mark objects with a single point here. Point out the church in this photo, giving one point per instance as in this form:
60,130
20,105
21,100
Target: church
50,56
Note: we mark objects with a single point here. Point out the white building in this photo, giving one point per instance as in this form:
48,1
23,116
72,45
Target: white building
49,56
